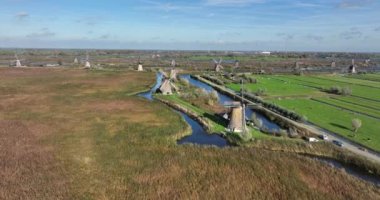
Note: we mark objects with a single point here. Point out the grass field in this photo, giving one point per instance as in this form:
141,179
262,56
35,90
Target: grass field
336,120
277,88
350,107
332,112
75,134
258,58
318,82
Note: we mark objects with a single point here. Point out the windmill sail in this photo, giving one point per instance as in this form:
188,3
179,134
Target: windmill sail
218,65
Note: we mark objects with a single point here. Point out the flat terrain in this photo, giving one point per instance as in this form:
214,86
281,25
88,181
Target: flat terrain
304,95
76,134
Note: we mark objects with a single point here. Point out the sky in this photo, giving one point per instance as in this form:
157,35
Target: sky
267,25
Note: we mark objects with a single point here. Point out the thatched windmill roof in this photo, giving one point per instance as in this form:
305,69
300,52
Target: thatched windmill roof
87,64
167,87
333,64
218,65
140,66
236,119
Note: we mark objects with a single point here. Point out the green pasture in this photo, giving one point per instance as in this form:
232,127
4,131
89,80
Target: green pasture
337,120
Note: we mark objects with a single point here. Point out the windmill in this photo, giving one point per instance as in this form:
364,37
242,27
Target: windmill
140,66
167,85
18,62
237,117
237,65
333,64
297,65
367,62
173,64
218,65
352,67
87,64
76,60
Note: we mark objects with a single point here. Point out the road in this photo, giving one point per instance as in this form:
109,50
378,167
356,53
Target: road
349,145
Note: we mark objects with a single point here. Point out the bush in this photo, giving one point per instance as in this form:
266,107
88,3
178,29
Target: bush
214,95
260,92
185,82
346,91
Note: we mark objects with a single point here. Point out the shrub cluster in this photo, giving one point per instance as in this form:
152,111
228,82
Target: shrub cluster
346,91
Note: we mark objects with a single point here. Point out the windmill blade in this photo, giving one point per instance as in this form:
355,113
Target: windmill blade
220,61
232,104
173,86
164,74
216,62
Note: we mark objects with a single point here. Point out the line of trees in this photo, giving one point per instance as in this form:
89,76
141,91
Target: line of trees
213,79
275,108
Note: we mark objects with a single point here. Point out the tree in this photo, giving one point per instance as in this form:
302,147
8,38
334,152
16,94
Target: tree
356,124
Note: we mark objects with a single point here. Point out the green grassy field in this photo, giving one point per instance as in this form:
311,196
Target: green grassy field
258,58
349,106
336,120
359,101
317,82
76,134
295,93
277,88
370,77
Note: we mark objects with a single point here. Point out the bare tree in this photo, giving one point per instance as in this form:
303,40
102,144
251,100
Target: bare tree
356,124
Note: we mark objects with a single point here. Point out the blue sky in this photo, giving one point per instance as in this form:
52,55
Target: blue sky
285,25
